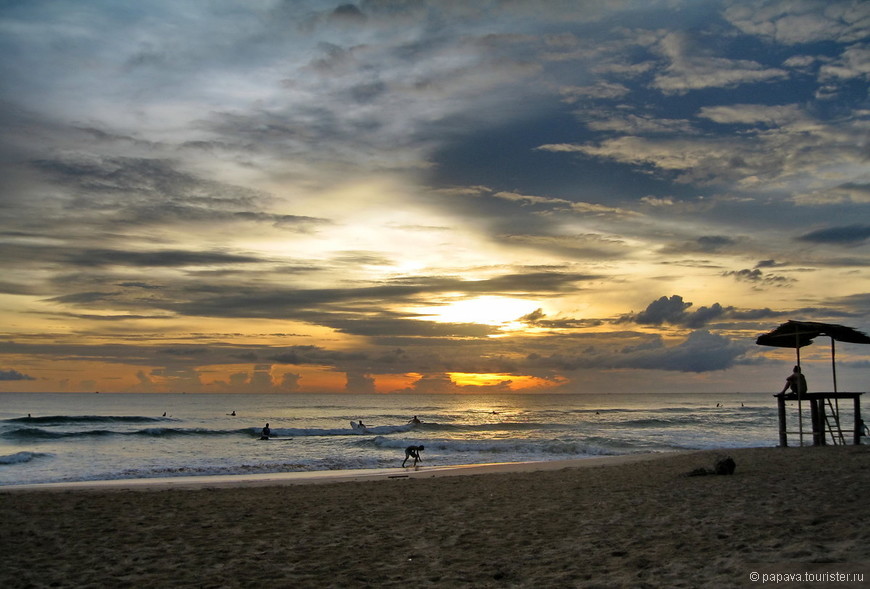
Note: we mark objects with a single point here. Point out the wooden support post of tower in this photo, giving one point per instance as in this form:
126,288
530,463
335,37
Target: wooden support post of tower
780,406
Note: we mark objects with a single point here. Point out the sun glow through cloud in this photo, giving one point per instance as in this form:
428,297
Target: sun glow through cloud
485,310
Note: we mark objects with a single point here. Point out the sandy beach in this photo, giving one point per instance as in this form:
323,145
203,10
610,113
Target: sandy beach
624,522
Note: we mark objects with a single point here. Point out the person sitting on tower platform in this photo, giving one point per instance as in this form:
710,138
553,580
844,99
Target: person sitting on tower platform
796,382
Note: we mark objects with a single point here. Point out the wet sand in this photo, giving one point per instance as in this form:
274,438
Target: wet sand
625,522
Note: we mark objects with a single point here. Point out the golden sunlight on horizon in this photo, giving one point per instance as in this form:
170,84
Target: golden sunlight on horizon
514,382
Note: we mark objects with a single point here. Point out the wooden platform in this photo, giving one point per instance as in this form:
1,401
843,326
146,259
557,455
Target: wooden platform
824,417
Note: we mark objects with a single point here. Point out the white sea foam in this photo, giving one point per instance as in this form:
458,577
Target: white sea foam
92,437
21,457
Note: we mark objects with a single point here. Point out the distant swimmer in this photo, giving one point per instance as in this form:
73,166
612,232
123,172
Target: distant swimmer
362,425
414,420
233,413
266,433
413,452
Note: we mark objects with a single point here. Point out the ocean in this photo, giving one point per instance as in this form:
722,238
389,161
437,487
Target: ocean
100,436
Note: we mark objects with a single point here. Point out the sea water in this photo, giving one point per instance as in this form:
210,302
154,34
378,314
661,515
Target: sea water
80,437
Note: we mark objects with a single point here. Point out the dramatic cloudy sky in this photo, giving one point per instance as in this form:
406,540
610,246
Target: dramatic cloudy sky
412,195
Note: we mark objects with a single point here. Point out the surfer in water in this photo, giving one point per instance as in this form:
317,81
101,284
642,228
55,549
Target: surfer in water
413,452
266,433
414,420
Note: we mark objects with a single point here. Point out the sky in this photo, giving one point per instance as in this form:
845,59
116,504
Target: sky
470,196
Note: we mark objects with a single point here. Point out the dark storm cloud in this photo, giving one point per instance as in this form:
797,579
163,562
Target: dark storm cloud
314,355
282,303
538,318
132,191
185,352
675,311
85,298
860,302
157,259
153,191
186,355
143,285
527,221
701,351
671,310
74,267
712,243
9,375
147,177
394,325
348,13
705,244
756,276
95,297
769,264
16,288
30,253
848,235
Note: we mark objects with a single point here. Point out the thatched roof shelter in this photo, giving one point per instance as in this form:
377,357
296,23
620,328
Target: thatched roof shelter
797,334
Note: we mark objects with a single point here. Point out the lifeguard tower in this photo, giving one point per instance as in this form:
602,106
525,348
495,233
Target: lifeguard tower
824,406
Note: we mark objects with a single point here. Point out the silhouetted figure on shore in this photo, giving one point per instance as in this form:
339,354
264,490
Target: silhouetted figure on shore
413,452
